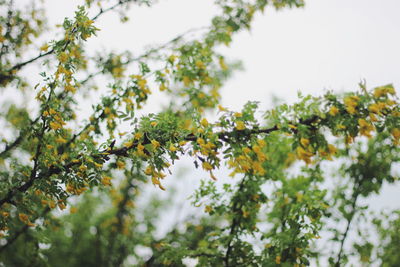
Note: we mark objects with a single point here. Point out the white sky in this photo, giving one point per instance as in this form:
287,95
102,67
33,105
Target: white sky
326,45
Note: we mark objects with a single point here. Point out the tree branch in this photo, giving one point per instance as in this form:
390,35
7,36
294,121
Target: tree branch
7,74
123,152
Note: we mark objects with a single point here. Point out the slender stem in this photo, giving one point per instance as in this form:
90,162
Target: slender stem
236,206
345,234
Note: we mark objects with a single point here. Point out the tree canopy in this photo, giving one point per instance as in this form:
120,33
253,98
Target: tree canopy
73,188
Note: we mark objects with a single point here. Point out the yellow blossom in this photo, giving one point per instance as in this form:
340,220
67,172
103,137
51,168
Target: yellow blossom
246,150
305,142
222,64
240,125
148,170
61,140
163,87
200,64
204,122
63,57
155,144
351,103
208,209
138,135
261,142
82,168
142,83
172,148
396,135
207,166
304,155
128,144
172,58
106,180
332,149
221,108
55,125
61,205
186,81
365,128
23,217
182,143
44,47
333,111
120,164
52,204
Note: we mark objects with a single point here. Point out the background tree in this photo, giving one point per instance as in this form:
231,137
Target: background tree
279,202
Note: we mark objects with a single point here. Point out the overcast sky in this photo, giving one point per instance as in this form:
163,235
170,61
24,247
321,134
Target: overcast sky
329,44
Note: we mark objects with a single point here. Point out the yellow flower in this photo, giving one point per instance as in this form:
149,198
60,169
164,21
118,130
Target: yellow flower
221,108
61,140
106,180
142,84
186,81
172,148
261,142
384,90
240,125
128,144
182,143
61,205
55,125
82,168
172,58
238,114
204,122
365,128
374,108
332,149
23,217
207,166
396,135
163,87
138,135
73,210
333,111
148,170
120,164
305,142
208,209
44,47
63,57
278,259
52,204
246,150
304,155
155,144
70,88
200,64
351,103
222,64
